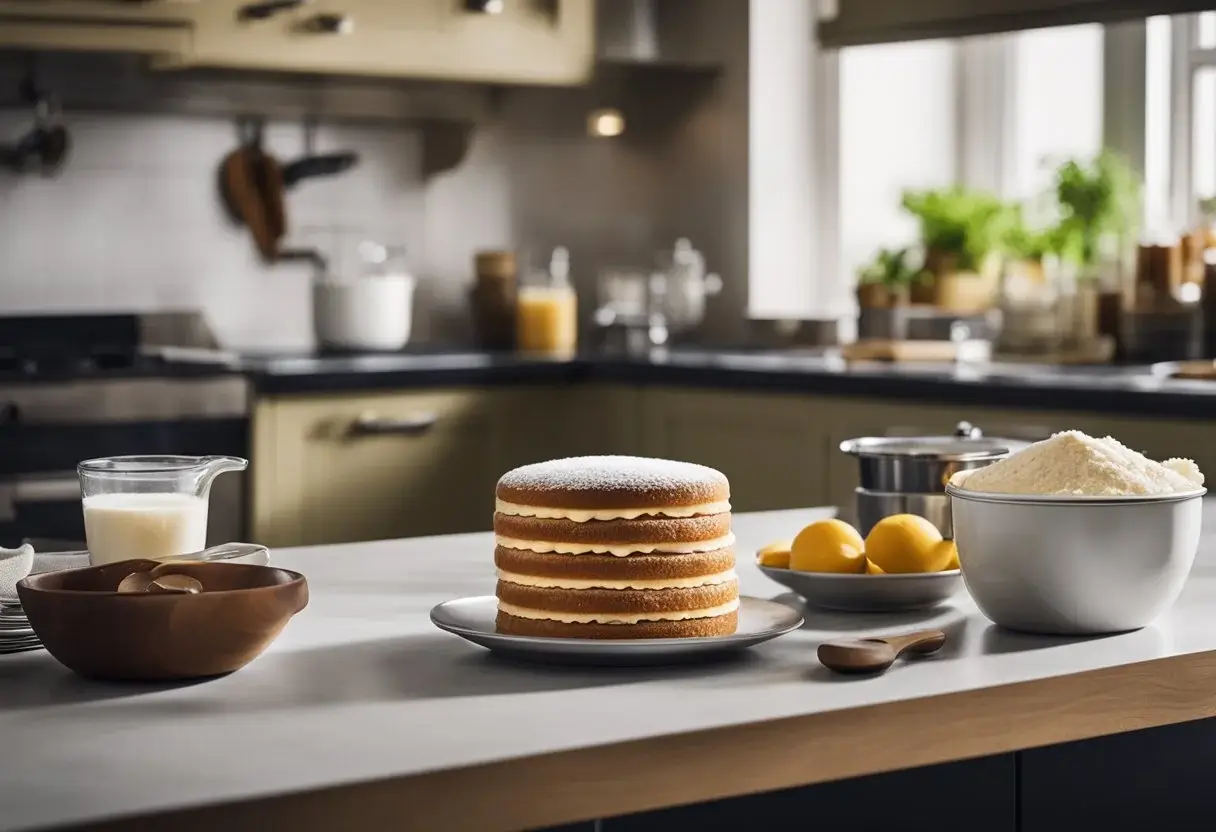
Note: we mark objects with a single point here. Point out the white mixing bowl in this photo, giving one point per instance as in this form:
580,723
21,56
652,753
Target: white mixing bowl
1075,565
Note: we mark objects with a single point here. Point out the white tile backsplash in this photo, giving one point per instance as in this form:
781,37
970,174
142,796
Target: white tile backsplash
134,222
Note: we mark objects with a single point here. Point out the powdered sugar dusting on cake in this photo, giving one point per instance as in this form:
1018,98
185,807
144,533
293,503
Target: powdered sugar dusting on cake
613,474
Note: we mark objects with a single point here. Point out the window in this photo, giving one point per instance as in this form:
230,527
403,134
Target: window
1157,133
1180,119
898,117
996,113
1056,102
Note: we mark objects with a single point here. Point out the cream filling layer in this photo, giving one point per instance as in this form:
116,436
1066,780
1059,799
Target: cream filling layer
579,515
617,617
620,549
599,583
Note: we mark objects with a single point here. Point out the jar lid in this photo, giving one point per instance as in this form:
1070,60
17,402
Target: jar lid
495,264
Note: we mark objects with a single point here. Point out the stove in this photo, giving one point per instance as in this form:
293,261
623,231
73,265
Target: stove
35,365
77,387
42,346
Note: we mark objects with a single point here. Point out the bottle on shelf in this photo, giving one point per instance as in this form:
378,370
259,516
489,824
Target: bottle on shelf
547,311
493,299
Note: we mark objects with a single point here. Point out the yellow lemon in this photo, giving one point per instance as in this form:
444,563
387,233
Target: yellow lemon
905,543
951,561
776,555
828,546
873,568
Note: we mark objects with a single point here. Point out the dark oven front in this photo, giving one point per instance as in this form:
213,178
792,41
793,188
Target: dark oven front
46,428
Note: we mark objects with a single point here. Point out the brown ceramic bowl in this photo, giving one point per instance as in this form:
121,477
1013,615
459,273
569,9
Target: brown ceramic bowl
90,627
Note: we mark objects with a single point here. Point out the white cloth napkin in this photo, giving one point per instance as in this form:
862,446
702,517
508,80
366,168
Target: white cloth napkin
15,564
58,561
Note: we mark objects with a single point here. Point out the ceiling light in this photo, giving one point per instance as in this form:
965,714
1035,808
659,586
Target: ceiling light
605,122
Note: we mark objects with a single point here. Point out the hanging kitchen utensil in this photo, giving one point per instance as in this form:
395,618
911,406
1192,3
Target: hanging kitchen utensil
313,164
45,147
251,187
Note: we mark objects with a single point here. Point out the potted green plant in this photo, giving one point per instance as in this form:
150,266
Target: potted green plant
1026,247
1207,213
1099,200
962,232
1099,205
888,279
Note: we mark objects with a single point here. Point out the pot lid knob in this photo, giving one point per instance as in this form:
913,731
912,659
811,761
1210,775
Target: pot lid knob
966,430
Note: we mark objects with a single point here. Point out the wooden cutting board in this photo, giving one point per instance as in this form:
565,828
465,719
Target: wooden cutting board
1202,370
882,349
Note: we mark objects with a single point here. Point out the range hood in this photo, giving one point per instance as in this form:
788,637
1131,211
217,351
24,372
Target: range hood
651,33
858,22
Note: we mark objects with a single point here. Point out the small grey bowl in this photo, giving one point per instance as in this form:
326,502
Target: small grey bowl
1064,565
869,593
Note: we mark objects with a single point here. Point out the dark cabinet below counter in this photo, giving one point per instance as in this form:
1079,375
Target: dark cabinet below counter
1152,779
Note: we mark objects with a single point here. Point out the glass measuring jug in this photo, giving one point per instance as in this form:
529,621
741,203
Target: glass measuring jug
148,506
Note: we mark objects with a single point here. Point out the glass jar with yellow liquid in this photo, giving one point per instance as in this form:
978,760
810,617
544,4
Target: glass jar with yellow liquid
546,320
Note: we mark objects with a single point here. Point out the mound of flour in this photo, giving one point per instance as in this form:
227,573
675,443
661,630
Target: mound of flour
1080,465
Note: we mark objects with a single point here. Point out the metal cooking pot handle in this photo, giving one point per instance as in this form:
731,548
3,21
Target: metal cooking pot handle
369,424
966,430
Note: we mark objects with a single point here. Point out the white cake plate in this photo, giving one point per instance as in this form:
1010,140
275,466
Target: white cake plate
473,619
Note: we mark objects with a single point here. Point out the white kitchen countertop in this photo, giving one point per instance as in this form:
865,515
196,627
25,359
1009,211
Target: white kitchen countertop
360,688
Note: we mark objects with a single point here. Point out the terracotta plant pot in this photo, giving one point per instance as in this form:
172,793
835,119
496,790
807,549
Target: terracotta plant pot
965,291
924,291
881,296
958,290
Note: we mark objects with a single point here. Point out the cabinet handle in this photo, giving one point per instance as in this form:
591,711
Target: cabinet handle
267,8
416,424
329,24
483,6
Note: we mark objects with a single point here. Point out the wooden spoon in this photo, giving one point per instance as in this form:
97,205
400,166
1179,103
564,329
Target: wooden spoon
874,655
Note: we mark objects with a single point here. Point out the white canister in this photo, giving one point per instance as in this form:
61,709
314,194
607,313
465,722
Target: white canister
363,313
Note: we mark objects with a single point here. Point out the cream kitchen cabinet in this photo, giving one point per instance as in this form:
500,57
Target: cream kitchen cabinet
597,419
154,26
378,466
339,468
550,422
526,41
771,447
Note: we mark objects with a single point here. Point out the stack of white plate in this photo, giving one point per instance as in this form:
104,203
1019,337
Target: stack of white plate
16,635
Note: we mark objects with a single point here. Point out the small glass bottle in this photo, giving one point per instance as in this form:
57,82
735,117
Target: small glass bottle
547,311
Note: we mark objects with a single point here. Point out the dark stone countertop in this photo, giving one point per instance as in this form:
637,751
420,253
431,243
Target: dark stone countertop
1126,390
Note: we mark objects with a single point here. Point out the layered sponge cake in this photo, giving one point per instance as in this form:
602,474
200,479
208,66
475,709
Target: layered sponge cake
611,547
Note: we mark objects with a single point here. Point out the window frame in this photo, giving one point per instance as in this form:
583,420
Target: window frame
1187,58
985,92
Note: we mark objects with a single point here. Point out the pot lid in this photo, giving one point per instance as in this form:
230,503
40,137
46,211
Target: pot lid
967,443
937,447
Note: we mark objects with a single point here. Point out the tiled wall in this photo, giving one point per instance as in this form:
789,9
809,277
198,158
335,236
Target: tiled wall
134,223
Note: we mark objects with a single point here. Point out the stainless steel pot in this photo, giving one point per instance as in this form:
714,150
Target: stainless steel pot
872,506
923,464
